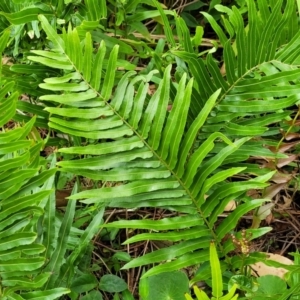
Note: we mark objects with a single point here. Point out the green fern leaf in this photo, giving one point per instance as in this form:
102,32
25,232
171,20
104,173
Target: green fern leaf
160,158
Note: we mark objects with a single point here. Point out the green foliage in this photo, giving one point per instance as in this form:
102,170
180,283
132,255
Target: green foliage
217,281
25,190
147,153
33,253
269,286
158,163
168,285
264,287
112,284
177,148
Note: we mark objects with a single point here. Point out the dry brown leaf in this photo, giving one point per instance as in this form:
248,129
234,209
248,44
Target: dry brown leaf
268,165
223,70
273,190
6,60
270,219
285,161
262,269
283,147
293,122
231,205
281,177
254,194
61,197
292,136
287,202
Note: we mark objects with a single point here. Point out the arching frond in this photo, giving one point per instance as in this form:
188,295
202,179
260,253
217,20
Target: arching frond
261,63
153,153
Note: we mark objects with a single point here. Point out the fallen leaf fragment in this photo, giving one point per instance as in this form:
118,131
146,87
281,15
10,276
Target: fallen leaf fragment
292,136
272,190
264,211
231,205
287,202
283,147
285,161
261,269
280,177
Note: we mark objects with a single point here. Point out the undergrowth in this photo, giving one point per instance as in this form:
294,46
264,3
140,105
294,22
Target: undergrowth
145,146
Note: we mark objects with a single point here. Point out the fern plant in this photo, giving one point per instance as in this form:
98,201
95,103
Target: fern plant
257,59
40,251
176,160
24,193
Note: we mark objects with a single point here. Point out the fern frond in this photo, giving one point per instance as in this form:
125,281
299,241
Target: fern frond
161,159
258,57
24,193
